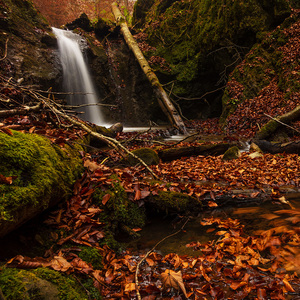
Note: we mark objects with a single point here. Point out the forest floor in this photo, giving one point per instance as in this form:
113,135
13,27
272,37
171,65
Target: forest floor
236,263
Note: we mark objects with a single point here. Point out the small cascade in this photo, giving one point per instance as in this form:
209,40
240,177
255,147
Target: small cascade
76,77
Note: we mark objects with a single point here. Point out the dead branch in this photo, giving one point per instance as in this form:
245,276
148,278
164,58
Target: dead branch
20,111
284,124
147,254
89,104
110,141
270,127
5,51
162,97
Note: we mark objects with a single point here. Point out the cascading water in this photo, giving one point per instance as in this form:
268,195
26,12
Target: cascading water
76,78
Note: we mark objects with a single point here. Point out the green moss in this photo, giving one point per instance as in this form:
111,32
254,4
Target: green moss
149,156
169,202
92,256
264,63
188,34
118,212
40,283
42,172
267,129
231,153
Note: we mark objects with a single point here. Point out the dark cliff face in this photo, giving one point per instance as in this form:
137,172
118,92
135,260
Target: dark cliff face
27,43
201,42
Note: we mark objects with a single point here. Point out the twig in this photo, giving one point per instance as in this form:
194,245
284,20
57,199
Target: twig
89,104
136,136
147,254
87,292
20,111
5,52
282,123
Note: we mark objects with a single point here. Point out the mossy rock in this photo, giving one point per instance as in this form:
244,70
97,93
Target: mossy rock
232,153
43,175
174,202
198,41
148,155
120,214
41,283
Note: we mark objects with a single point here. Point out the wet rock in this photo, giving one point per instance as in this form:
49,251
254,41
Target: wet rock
82,22
232,153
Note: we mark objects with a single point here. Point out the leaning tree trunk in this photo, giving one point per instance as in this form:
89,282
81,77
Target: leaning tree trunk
163,99
275,123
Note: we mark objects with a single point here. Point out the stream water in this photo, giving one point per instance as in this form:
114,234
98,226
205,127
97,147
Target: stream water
254,218
76,77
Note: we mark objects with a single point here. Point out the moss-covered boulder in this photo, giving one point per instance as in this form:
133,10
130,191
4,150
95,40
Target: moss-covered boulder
232,153
40,175
41,283
199,43
120,214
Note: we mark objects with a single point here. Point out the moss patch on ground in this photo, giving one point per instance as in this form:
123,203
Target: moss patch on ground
119,212
42,173
39,283
173,202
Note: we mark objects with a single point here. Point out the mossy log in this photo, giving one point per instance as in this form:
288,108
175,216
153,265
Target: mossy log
266,146
35,175
176,153
268,129
162,97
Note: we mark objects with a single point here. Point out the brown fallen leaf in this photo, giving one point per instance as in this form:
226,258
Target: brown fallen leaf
105,198
91,165
59,263
7,180
173,279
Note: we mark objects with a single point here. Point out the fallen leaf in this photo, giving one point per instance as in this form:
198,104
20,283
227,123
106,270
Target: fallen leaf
173,279
105,198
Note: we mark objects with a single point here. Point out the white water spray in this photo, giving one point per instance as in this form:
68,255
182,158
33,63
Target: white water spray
76,77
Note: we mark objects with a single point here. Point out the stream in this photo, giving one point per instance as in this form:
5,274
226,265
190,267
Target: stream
254,218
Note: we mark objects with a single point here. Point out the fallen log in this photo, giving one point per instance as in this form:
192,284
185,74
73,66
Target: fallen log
273,148
177,153
162,97
268,129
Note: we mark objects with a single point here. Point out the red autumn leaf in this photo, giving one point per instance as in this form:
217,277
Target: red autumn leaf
105,198
7,180
212,204
237,284
7,131
137,195
288,286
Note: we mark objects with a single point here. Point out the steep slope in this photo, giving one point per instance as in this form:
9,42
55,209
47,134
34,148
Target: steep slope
267,83
196,44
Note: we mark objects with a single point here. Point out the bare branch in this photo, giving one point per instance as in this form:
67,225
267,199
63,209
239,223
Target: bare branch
5,52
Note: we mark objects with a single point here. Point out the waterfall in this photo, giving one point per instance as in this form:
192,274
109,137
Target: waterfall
76,76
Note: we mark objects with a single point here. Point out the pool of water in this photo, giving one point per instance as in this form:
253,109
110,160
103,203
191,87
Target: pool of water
254,218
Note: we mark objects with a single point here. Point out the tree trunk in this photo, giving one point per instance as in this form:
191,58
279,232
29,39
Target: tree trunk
177,153
162,97
266,146
273,124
